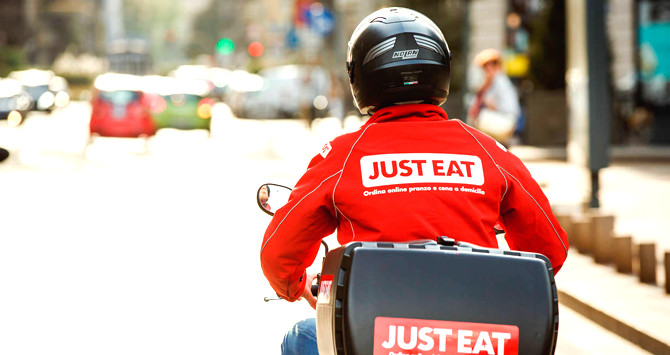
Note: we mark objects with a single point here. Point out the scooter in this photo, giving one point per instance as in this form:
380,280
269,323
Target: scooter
438,297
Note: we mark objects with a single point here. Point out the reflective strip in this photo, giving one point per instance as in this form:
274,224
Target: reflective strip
542,210
337,210
379,49
490,157
430,44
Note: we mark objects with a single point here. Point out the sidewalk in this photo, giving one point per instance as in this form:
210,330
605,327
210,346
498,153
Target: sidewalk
617,153
637,312
635,189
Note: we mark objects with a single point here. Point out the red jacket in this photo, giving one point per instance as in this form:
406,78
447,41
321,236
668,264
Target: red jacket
409,173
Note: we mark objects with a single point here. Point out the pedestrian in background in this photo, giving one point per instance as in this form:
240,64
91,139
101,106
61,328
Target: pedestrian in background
495,109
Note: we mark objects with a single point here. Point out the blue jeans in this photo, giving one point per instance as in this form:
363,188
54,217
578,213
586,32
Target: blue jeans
301,339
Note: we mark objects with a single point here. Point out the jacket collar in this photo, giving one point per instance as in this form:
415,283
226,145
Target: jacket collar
409,112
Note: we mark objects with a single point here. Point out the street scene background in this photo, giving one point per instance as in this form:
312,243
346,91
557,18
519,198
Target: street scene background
151,247
138,132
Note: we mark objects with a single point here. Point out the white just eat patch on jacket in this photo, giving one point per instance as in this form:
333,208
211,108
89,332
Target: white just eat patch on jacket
413,168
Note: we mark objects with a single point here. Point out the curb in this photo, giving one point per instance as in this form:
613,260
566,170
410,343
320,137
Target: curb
614,325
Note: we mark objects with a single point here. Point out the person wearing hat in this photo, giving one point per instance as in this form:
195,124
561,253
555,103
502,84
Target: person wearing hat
495,109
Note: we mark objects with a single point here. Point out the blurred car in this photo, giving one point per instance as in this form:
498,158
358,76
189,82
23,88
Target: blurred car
61,90
178,103
287,91
217,78
220,78
4,154
118,109
14,102
240,85
47,91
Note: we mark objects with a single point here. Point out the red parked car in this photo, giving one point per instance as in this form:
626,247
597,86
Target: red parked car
118,109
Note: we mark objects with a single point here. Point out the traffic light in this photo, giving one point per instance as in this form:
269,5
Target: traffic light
225,46
256,49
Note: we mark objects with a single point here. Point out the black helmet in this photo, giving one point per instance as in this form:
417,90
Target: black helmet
397,55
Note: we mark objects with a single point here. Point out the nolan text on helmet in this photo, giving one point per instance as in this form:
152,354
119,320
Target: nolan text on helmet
408,54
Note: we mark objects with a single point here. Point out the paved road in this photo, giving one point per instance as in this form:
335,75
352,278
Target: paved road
150,247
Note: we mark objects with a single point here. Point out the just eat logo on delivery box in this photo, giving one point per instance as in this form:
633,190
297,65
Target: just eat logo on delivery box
410,168
404,336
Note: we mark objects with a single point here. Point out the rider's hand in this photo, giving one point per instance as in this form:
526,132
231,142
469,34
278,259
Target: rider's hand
307,292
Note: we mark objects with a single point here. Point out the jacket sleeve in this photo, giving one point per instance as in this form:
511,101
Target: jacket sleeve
530,224
293,238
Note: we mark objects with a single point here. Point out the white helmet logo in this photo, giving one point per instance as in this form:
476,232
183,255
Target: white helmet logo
408,54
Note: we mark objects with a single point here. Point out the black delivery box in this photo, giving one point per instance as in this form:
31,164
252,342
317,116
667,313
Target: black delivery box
425,298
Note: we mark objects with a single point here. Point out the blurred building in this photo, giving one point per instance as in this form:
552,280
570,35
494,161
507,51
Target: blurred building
253,34
651,90
13,23
638,37
43,29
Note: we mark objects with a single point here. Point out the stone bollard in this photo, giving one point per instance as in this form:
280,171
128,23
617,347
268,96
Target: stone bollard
622,253
648,263
602,228
565,220
581,228
666,261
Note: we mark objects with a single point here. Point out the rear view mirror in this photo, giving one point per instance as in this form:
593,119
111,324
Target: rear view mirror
271,197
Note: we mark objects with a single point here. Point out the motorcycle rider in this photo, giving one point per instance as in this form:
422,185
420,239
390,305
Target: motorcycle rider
408,173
